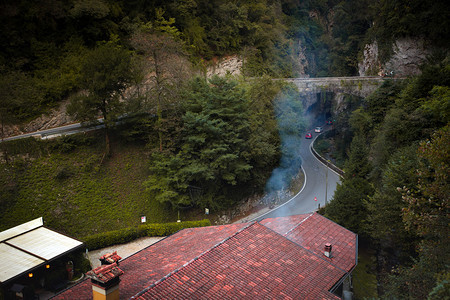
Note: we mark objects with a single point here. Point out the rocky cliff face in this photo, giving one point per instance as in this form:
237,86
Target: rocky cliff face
228,65
57,117
408,55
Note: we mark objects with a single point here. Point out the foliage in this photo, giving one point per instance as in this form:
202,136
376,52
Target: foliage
213,151
94,197
348,206
129,234
105,74
401,201
427,203
357,164
386,206
165,62
19,97
217,150
402,18
351,19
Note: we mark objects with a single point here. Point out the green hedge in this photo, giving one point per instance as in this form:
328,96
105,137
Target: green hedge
126,235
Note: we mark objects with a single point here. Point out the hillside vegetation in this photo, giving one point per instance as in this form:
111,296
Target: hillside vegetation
175,141
395,192
66,183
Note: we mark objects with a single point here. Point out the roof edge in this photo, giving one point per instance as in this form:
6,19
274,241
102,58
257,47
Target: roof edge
25,227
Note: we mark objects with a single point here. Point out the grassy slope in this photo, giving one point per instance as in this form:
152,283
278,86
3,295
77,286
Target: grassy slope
78,195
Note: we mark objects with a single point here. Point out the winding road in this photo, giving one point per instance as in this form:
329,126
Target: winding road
319,181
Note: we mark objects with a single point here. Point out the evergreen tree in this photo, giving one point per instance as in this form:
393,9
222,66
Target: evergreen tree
348,206
357,164
386,206
214,152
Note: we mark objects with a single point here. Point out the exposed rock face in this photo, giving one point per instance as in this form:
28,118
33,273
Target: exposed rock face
57,117
371,64
408,55
229,65
301,61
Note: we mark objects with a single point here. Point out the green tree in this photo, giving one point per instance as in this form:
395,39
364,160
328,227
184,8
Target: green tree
264,142
348,206
165,67
213,153
106,72
357,164
386,206
397,130
426,214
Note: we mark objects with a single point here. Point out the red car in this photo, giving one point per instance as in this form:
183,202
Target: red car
308,136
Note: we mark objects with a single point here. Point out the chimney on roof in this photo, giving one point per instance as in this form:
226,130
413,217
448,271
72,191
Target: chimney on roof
105,282
110,258
327,250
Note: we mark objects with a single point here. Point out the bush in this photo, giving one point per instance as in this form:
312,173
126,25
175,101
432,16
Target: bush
126,235
63,172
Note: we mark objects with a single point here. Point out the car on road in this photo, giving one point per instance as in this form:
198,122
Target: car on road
329,122
308,136
318,129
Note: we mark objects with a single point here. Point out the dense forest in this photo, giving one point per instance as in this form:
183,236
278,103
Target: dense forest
187,142
395,192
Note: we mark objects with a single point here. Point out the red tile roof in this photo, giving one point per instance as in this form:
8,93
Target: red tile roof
156,261
313,231
255,263
276,258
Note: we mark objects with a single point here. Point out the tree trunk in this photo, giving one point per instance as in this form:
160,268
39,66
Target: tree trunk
107,143
5,151
158,104
106,122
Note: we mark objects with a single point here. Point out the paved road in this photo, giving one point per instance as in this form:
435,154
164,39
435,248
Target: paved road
315,186
58,131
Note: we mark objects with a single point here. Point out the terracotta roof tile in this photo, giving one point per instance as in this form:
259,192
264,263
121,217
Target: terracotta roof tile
105,273
276,258
313,231
276,268
110,258
160,259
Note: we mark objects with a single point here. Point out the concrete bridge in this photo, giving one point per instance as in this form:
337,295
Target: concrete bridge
358,86
322,92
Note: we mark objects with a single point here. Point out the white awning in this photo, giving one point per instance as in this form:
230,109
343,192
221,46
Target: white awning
30,245
16,262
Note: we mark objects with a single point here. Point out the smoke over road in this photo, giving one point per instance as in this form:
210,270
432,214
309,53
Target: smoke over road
291,125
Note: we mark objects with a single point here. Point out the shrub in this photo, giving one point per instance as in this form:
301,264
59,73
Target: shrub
129,234
63,172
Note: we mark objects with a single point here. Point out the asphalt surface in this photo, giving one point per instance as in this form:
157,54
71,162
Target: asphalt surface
58,131
320,181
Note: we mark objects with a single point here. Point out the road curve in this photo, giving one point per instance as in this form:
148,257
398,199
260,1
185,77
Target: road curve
317,175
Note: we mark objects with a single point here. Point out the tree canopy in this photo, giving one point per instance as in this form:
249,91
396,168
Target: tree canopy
106,72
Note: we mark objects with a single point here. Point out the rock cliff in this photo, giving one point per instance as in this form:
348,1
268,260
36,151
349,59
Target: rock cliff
407,56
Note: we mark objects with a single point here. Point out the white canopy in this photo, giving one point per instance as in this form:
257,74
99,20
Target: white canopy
30,245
